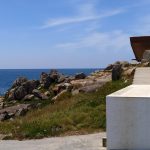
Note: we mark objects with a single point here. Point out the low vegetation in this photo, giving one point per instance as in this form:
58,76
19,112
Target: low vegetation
82,113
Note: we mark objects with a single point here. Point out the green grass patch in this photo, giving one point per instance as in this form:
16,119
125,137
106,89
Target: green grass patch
70,114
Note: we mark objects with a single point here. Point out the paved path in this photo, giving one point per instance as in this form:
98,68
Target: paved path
81,142
142,76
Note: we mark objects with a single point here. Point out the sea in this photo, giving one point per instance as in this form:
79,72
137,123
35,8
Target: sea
8,76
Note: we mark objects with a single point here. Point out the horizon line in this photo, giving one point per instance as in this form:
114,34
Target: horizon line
48,68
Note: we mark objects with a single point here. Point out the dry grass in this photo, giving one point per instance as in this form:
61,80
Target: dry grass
72,114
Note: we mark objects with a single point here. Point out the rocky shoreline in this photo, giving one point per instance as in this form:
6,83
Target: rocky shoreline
53,85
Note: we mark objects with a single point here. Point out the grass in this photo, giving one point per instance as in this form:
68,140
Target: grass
82,113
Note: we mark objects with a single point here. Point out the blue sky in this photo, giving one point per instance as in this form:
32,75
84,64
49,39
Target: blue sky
69,33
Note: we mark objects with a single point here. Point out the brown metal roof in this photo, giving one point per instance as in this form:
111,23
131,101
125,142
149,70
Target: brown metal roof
139,45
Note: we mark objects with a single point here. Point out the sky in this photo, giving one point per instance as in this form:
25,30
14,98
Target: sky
69,33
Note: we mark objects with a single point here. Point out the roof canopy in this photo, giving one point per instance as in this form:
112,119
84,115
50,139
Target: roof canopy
139,45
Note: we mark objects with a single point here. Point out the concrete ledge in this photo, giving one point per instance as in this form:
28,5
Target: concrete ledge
133,91
128,118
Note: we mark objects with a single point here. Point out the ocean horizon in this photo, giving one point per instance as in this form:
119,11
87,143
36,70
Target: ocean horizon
8,76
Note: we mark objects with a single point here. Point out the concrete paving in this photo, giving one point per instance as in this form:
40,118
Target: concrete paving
81,142
142,76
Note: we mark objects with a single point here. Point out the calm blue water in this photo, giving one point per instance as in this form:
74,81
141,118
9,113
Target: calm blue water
7,76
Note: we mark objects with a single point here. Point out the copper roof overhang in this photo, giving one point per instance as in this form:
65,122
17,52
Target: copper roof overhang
139,45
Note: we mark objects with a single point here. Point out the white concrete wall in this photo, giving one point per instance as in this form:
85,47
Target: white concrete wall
128,118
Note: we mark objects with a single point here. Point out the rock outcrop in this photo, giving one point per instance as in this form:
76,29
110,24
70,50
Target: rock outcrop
54,85
116,72
19,81
45,80
11,112
80,76
51,86
39,94
20,88
124,69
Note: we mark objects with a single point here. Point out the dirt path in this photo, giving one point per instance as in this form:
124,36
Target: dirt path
81,142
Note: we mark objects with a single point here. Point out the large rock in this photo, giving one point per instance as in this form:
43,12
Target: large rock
29,86
45,80
28,97
19,81
44,97
10,95
2,98
129,72
68,86
2,102
56,76
13,111
61,78
109,67
58,88
69,79
75,92
40,95
53,77
37,93
20,93
116,72
2,105
6,136
16,93
146,55
91,88
80,76
48,93
43,76
84,82
21,89
91,83
21,112
4,116
57,97
62,86
124,63
145,64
